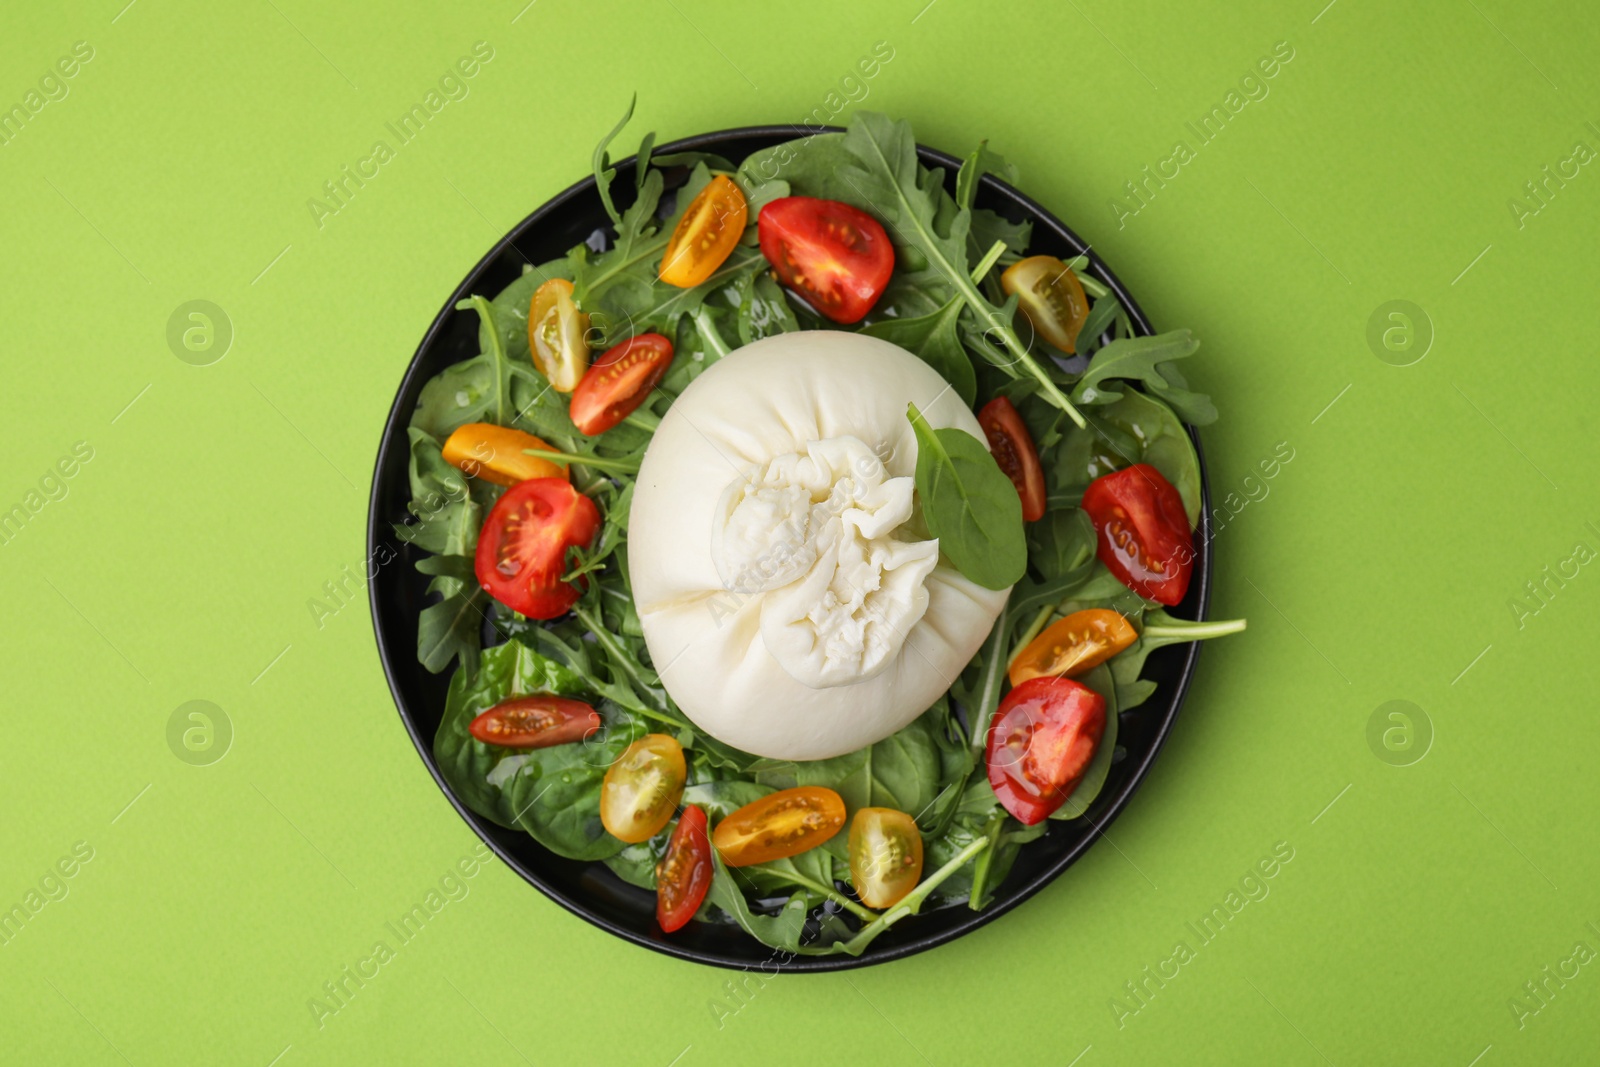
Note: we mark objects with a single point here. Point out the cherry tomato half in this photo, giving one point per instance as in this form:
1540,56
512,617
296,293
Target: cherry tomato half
885,856
835,255
522,549
535,722
1050,298
684,873
1013,450
706,235
558,335
1045,732
495,454
779,825
619,382
641,790
1143,531
1074,645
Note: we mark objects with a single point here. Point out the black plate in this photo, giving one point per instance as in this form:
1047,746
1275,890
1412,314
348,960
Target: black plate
590,890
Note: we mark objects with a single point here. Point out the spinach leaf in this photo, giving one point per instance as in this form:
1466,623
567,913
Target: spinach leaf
552,793
763,309
636,864
934,339
1062,545
1094,776
782,931
1148,360
969,505
1160,629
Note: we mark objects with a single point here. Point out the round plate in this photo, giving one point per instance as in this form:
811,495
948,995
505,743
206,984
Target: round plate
399,593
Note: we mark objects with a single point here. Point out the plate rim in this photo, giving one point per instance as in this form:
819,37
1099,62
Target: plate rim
397,421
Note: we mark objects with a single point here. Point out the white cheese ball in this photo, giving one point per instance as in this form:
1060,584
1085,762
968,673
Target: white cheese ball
789,594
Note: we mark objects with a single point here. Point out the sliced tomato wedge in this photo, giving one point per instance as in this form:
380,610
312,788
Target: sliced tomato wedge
1044,734
619,381
535,722
1142,532
706,235
1074,645
498,454
835,255
779,825
642,788
684,874
522,549
1012,448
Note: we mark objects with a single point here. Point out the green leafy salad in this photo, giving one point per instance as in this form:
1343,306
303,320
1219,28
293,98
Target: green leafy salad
1081,498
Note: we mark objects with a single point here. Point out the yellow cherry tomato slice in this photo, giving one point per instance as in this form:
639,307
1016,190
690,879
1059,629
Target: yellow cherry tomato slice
558,335
706,235
497,454
885,856
641,790
1074,645
779,825
1050,297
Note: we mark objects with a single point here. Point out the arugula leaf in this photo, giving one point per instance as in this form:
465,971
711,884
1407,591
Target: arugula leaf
969,505
1147,360
453,627
934,339
763,308
603,174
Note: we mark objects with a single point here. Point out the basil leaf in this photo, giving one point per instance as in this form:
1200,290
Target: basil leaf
969,505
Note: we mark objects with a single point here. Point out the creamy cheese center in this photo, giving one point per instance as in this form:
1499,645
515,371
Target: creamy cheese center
814,532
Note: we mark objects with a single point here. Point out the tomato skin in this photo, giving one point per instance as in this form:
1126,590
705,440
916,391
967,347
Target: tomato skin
1012,448
619,382
495,454
835,255
1143,532
1043,736
535,722
522,548
684,874
558,334
641,790
779,825
706,235
1050,297
885,856
1074,645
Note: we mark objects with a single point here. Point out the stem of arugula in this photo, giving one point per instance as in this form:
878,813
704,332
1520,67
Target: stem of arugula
708,330
620,655
860,911
980,870
622,466
1035,626
987,316
912,903
1197,631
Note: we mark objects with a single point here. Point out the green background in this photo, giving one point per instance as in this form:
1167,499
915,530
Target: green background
1380,565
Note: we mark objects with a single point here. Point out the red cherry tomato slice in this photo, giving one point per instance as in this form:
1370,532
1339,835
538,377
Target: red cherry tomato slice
1013,450
1044,734
522,549
1143,532
835,255
684,874
619,381
535,722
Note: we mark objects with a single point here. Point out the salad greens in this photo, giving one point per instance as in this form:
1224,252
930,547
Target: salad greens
945,305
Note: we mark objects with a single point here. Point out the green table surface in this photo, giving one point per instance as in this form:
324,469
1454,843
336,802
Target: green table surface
1439,909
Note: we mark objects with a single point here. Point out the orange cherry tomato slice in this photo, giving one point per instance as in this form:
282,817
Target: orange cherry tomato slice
558,335
779,825
684,874
535,722
496,454
522,549
1013,450
835,255
1050,298
641,790
706,235
1074,645
619,382
885,856
1043,736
